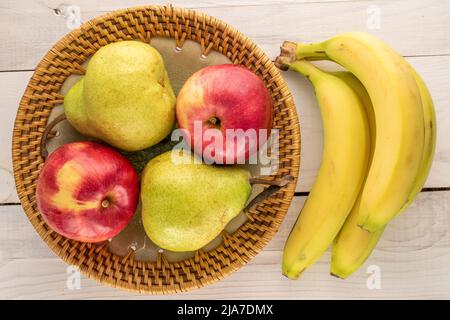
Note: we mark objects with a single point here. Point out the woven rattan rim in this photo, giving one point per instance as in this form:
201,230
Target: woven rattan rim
43,93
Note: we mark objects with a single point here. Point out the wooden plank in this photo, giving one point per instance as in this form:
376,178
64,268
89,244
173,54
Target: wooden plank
29,28
435,71
413,257
12,86
111,5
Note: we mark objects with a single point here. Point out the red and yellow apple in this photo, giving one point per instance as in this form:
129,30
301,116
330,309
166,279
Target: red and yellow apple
87,191
225,112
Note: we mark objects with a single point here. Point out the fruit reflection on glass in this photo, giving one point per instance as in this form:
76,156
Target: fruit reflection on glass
87,191
226,111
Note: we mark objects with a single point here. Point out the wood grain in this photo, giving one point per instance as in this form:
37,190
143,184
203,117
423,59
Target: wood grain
413,258
413,27
12,86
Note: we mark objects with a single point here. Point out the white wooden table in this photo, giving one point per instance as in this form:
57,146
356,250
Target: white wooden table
414,254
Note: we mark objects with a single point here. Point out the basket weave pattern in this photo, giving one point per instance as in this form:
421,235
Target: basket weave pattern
43,93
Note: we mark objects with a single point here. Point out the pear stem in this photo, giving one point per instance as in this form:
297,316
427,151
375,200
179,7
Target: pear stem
48,129
279,183
274,186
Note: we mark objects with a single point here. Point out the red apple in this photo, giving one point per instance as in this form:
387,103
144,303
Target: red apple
87,191
231,101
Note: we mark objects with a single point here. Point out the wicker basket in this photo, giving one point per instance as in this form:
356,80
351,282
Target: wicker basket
43,93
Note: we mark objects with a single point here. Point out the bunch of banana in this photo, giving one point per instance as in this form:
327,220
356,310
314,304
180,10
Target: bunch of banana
341,173
401,127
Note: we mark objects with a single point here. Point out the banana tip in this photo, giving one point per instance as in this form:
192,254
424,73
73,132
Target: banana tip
370,227
292,276
336,276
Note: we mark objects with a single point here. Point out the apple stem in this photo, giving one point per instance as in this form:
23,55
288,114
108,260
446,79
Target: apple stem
214,122
48,129
274,186
105,203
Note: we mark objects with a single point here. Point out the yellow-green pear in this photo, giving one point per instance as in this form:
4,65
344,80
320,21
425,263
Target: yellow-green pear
125,98
74,109
186,205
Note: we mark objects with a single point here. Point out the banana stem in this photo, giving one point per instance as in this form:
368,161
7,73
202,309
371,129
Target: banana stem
287,55
311,51
293,55
307,69
48,129
292,51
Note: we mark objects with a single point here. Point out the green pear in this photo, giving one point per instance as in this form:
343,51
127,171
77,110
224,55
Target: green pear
186,205
125,98
74,109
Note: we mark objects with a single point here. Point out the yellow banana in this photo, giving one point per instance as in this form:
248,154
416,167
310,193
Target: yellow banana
398,115
363,95
341,174
353,245
429,117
